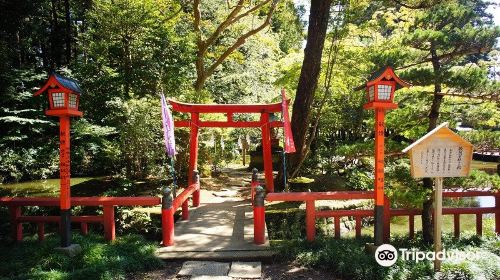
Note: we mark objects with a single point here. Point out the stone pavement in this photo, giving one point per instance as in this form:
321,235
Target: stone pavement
221,228
210,270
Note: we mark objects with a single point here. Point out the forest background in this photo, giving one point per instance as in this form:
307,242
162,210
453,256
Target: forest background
125,53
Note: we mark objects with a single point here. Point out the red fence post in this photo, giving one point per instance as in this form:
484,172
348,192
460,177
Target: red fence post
497,214
17,228
84,228
41,231
336,221
358,226
387,220
479,224
259,217
411,224
109,222
310,220
167,218
456,225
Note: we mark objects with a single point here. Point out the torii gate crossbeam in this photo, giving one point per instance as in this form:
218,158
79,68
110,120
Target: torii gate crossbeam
194,123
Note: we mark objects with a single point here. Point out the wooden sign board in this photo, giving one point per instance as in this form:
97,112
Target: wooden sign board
440,153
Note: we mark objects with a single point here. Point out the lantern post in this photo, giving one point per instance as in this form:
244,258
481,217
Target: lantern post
380,97
63,99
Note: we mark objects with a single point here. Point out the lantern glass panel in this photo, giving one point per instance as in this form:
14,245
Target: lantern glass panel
371,93
384,92
58,99
72,100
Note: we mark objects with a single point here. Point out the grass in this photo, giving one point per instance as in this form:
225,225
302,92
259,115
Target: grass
99,260
347,259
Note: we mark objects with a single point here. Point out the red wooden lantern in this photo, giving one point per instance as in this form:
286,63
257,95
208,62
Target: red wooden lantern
380,89
380,97
64,98
63,95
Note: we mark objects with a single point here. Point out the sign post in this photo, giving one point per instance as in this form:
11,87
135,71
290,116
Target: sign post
439,154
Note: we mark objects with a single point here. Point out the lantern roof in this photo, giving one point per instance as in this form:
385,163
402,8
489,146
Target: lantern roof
61,82
387,74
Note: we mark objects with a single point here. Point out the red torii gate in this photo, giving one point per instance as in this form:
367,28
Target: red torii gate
229,109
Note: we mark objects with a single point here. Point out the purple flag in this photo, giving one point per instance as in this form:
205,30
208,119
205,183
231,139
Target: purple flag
168,127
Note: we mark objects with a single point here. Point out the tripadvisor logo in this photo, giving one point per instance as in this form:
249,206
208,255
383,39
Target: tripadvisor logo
386,255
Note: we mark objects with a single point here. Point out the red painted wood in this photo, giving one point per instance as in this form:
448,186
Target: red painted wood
167,224
479,224
266,153
82,201
310,220
185,210
182,197
259,225
225,108
64,163
41,231
379,156
336,222
17,228
109,222
56,219
456,225
193,163
84,228
237,124
303,196
470,194
358,226
468,210
411,226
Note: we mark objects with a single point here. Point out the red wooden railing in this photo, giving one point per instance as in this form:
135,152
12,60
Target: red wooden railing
312,214
107,219
170,205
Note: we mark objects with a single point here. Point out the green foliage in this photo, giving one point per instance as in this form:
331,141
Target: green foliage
140,138
99,260
347,259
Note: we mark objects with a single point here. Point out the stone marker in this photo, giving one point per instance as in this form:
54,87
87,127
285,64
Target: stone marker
195,268
71,251
246,270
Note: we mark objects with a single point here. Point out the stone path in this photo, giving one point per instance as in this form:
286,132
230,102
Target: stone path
210,270
221,228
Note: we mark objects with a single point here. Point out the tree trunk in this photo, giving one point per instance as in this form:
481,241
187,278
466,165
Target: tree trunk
54,37
427,223
308,81
68,31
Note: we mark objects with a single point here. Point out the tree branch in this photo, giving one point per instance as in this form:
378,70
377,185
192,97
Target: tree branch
449,56
224,24
241,40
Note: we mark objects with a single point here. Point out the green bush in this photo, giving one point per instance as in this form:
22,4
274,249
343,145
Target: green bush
99,260
347,259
